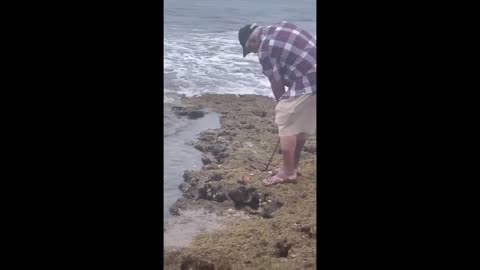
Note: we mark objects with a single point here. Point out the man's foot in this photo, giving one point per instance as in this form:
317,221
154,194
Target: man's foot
280,178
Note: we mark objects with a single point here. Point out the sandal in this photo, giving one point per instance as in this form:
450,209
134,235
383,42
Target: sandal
273,180
276,171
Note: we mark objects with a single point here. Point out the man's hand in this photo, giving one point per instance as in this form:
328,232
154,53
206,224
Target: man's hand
278,88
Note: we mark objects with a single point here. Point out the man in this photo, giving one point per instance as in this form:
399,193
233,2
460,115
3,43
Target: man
288,58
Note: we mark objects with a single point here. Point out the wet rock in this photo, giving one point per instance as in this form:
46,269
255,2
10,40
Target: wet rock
206,160
222,156
238,195
209,191
201,194
190,263
210,132
249,210
200,146
195,114
308,230
184,187
178,206
190,176
254,202
220,197
270,208
310,149
217,149
243,196
207,138
260,113
223,132
191,113
211,166
216,176
174,211
282,248
178,109
308,264
263,197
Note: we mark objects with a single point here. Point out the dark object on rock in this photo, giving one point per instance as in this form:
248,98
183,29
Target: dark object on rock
282,248
206,160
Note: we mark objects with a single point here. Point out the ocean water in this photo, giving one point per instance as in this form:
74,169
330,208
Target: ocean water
202,55
201,49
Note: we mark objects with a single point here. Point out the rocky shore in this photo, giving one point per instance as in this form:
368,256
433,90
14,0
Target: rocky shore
263,227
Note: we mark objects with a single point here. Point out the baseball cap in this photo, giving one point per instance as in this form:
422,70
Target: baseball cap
243,35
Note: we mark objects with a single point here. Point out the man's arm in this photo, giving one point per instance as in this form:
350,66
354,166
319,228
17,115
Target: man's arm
278,88
271,69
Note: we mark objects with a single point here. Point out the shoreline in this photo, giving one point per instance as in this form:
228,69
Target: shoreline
279,231
178,156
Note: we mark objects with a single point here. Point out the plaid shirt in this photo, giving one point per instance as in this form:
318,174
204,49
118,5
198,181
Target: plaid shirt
289,53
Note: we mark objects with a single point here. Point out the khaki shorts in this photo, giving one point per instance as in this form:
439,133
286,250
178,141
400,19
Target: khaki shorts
297,115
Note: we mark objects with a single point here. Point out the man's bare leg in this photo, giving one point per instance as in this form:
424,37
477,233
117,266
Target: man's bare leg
300,142
301,139
288,143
